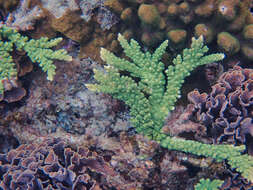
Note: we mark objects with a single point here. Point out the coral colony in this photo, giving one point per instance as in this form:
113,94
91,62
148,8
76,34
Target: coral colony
233,91
37,50
118,126
150,100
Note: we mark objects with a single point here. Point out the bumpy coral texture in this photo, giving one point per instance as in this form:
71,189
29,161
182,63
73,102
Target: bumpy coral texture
51,165
228,110
221,22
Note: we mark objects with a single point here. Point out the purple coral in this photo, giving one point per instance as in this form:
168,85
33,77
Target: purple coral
51,165
228,110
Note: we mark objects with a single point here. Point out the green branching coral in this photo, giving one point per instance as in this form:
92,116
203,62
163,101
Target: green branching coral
154,95
243,163
7,67
207,184
38,51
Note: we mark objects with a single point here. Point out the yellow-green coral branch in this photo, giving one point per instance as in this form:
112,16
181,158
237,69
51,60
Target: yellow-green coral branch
150,101
207,184
183,65
160,99
38,51
119,63
243,163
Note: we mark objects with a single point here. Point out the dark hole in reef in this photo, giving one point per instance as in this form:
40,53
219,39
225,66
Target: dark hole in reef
7,143
192,170
41,175
249,144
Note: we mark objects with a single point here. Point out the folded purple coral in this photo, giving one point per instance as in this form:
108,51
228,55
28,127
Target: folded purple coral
50,165
227,111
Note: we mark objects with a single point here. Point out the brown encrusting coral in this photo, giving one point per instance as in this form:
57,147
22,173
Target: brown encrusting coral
95,23
225,23
14,90
223,20
227,111
6,6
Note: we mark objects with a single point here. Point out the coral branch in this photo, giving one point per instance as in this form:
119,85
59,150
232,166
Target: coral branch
150,101
38,51
207,184
149,98
242,162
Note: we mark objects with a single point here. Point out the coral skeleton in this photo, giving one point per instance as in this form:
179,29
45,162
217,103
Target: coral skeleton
24,17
